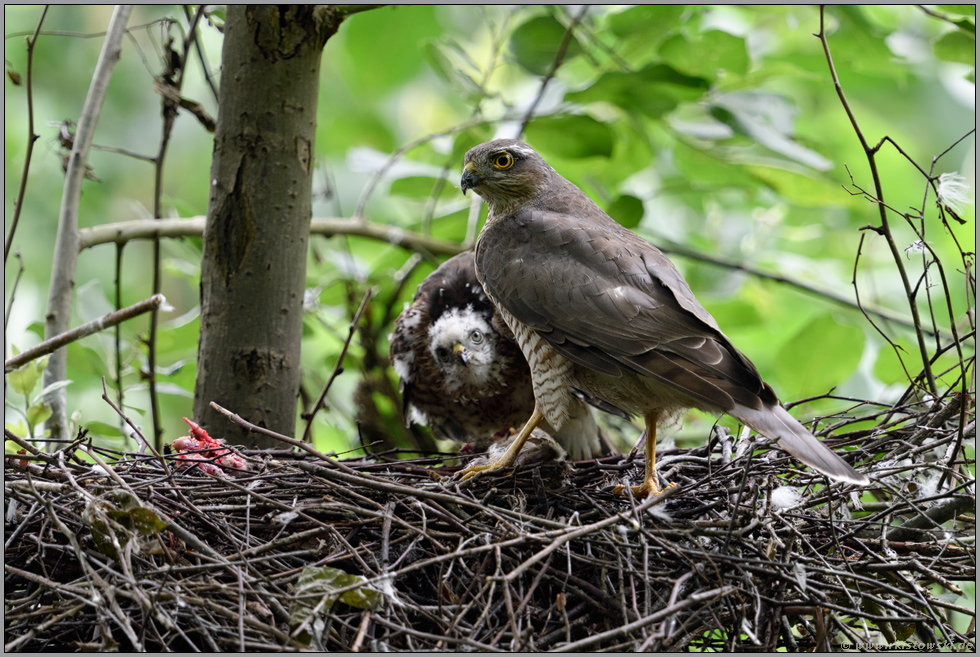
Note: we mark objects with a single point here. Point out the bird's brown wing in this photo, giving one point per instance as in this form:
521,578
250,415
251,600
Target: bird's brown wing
608,300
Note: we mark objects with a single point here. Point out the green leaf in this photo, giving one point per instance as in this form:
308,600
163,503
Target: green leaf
571,136
962,10
37,413
650,21
801,190
768,120
320,584
103,429
146,521
958,46
627,210
419,187
707,54
823,354
697,166
654,90
381,47
57,385
641,29
24,378
437,60
535,44
18,428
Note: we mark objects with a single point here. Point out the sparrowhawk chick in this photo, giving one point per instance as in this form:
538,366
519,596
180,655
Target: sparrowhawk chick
461,371
599,310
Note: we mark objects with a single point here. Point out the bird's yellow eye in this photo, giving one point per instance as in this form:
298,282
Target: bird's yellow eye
503,160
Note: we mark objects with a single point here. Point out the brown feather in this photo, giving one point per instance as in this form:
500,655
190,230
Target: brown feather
612,304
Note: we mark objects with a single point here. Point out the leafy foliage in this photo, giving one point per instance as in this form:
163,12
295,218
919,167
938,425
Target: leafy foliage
713,130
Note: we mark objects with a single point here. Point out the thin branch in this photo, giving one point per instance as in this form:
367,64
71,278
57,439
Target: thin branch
340,364
555,65
67,239
31,137
169,83
125,231
203,59
883,214
397,155
66,338
13,294
942,17
806,287
117,337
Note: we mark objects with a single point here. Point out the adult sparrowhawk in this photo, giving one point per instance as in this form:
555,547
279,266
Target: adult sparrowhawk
599,311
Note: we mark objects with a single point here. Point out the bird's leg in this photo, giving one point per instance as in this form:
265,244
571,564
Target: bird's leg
510,456
649,485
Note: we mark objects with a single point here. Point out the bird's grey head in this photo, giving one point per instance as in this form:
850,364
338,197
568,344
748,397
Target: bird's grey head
464,348
504,172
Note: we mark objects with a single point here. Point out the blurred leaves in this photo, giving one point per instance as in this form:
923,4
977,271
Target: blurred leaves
818,357
958,46
536,41
654,90
571,136
707,54
713,127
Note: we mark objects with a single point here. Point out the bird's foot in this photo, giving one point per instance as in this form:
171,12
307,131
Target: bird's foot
647,488
475,469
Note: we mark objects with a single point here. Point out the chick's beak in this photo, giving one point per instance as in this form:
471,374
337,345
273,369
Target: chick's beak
470,177
459,351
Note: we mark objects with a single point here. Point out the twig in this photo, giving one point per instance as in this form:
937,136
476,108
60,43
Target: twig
830,295
693,599
31,138
555,65
340,364
13,294
117,337
106,321
885,228
126,231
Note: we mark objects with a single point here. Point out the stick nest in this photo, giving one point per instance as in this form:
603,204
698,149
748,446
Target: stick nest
745,552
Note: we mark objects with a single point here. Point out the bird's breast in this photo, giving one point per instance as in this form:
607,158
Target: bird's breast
551,373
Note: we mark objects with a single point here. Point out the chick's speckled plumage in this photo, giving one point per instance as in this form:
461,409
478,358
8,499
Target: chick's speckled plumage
461,371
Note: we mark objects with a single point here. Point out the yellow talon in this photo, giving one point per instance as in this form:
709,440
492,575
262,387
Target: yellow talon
509,457
649,485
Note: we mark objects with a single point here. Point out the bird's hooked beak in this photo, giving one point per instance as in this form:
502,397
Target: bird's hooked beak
459,351
470,178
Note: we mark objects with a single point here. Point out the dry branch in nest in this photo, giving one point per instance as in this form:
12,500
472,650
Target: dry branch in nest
147,552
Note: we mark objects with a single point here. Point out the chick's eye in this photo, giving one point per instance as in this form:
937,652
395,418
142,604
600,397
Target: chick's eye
476,336
503,160
442,354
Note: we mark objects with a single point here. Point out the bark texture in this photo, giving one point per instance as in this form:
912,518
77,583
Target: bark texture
258,225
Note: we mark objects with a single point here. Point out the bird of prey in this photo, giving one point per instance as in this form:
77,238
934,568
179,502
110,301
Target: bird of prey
461,371
599,311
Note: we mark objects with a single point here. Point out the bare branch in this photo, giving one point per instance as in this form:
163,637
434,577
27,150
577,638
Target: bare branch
125,231
66,247
31,137
104,322
883,214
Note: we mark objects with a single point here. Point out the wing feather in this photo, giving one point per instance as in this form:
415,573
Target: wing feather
608,300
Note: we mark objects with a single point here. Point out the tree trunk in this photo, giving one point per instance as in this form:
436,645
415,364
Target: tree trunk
257,233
